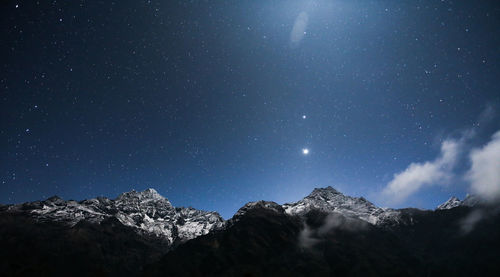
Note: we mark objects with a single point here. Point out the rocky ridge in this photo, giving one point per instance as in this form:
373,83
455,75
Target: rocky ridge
147,212
453,202
330,200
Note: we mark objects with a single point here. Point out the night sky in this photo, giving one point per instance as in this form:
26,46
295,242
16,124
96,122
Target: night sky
217,103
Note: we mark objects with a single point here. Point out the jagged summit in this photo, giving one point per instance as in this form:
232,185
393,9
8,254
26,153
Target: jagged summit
323,193
148,194
451,203
327,190
330,200
151,193
469,201
146,211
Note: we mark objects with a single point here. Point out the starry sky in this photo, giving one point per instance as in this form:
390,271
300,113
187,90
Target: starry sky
217,103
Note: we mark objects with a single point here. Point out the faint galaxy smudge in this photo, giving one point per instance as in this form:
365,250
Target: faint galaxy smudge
299,28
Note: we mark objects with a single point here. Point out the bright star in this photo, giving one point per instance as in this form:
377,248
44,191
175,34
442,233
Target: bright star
304,117
305,151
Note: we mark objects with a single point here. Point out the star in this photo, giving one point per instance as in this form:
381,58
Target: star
304,117
305,151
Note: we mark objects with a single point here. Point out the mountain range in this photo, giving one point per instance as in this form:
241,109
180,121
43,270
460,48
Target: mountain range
326,233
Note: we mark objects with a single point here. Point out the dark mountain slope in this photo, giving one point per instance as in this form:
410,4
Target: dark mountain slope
267,243
449,244
324,234
31,248
264,242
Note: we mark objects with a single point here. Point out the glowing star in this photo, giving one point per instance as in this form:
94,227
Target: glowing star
304,117
305,151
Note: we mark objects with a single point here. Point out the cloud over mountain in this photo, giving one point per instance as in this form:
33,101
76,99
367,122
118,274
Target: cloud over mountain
418,175
484,174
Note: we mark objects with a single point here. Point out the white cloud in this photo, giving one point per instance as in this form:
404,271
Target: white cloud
299,28
417,175
484,174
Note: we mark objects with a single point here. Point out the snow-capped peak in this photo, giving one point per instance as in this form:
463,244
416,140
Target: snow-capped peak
330,200
148,194
150,213
469,201
146,211
450,204
148,201
152,193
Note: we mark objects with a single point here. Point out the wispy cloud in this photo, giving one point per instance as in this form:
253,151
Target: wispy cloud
418,175
476,216
484,174
309,237
468,223
306,237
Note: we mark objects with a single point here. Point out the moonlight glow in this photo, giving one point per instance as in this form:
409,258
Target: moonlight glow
212,90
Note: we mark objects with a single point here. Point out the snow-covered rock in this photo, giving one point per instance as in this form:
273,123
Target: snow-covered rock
147,212
151,214
330,200
450,204
469,201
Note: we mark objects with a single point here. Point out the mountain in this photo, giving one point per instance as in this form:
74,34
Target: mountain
267,241
330,200
146,212
267,205
324,234
330,234
30,247
453,202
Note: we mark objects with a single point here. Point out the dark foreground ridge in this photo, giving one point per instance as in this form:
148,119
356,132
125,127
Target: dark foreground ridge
324,234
